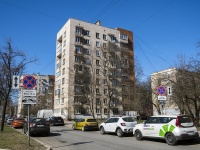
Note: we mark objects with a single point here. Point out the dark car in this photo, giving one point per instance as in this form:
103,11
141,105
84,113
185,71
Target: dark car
56,120
37,126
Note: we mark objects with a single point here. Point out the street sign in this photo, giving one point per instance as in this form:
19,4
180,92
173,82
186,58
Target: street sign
15,82
29,100
161,90
169,90
26,93
162,98
29,82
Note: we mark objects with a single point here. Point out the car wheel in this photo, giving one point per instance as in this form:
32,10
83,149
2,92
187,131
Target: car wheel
48,133
170,139
73,127
120,133
138,135
102,131
83,128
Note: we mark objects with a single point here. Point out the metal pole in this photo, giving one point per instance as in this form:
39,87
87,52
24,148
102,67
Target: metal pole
28,124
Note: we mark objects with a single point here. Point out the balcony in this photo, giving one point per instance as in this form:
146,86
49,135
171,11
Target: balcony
59,51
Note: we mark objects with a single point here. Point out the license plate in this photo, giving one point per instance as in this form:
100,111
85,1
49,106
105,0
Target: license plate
191,133
40,125
20,122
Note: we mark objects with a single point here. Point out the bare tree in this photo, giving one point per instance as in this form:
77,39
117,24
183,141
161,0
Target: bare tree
11,61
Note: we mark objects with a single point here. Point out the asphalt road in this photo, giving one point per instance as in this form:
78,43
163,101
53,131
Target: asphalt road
64,138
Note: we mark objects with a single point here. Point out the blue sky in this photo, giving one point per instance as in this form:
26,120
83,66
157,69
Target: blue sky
162,29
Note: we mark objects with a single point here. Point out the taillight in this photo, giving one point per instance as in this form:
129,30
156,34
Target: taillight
177,122
32,124
123,124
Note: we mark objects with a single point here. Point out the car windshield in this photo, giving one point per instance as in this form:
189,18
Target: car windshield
128,119
185,119
91,120
39,120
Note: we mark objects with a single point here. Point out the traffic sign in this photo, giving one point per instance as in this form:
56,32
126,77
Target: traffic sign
15,82
29,82
161,90
29,100
162,98
169,90
28,93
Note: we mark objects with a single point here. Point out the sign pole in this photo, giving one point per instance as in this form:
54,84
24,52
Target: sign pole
28,124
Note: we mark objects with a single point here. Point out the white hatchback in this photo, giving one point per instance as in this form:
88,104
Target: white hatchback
168,127
119,125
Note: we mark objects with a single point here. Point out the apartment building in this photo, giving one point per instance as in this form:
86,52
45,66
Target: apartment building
89,80
44,94
165,79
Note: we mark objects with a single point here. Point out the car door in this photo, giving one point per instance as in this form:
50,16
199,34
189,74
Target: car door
113,125
149,126
107,124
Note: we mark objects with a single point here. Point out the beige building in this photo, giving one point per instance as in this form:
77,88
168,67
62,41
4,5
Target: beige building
81,46
44,94
164,102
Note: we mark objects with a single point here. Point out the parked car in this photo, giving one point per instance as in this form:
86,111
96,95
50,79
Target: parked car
168,127
18,122
118,124
9,120
85,124
56,120
37,126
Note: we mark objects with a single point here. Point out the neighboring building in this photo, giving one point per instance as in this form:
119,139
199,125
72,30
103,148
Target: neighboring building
164,79
44,93
80,44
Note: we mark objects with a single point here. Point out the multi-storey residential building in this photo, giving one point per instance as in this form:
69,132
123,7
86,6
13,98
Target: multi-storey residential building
44,94
165,79
91,76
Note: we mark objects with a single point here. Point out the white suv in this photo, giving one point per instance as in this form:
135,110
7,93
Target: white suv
119,125
168,127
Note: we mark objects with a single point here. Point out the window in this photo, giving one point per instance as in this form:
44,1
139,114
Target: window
63,61
105,91
77,111
87,33
104,37
105,101
78,39
115,82
104,45
98,111
97,90
63,71
113,39
105,81
88,52
97,44
62,91
62,101
87,42
97,62
87,61
97,71
97,81
104,54
64,34
105,111
115,111
64,43
63,80
97,53
152,120
124,36
78,50
98,101
97,35
105,72
79,31
80,68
